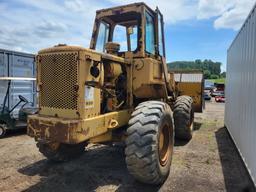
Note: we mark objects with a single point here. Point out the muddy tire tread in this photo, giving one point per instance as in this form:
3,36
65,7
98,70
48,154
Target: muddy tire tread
141,142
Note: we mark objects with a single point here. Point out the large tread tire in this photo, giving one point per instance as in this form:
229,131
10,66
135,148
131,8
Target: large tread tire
142,144
59,152
183,115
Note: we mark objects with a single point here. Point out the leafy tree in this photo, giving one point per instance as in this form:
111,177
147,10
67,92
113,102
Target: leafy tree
209,67
223,74
207,74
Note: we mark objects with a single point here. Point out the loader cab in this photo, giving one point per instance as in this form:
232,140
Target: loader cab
134,30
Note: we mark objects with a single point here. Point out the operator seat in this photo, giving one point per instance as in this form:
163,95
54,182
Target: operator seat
112,48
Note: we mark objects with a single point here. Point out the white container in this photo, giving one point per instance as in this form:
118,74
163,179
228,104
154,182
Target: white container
22,65
240,112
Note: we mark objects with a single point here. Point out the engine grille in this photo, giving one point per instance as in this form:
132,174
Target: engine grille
59,77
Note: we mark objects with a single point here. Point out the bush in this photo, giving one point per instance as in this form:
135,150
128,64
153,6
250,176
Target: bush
214,77
223,74
207,74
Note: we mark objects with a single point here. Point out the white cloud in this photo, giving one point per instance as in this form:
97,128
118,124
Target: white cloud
42,24
234,17
50,29
230,14
50,6
173,10
208,9
75,5
32,24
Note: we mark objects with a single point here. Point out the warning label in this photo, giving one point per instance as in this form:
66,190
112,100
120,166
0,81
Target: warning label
89,97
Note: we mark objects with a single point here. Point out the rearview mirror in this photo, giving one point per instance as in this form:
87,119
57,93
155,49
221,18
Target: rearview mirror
130,30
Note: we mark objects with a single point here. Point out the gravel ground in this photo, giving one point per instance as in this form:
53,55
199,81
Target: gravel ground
209,162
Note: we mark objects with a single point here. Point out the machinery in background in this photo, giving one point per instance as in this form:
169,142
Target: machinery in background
7,121
207,96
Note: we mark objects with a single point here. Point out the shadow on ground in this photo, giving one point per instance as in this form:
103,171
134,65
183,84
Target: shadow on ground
179,142
103,166
15,132
232,165
197,126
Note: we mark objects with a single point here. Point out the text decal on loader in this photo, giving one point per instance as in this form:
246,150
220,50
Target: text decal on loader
89,97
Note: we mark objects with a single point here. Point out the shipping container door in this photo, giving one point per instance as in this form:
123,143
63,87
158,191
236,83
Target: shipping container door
3,65
21,66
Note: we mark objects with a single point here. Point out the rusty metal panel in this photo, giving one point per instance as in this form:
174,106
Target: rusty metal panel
240,92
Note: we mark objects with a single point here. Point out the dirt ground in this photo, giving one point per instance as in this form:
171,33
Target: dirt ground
209,162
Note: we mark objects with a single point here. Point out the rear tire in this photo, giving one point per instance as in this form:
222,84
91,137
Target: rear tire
3,128
60,152
183,115
149,145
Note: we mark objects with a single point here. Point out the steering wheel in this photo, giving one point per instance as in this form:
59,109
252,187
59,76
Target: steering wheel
23,99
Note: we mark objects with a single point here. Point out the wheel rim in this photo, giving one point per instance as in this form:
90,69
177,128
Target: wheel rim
164,145
191,127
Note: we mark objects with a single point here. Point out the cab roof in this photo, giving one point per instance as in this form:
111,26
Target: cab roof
120,9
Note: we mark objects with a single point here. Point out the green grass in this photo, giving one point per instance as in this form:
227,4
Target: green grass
217,80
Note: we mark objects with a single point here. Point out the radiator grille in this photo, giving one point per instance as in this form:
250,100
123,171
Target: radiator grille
59,79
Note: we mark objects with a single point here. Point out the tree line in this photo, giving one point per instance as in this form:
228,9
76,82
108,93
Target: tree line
211,69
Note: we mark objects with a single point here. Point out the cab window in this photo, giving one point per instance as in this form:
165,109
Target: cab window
160,36
120,37
150,39
102,37
126,36
134,37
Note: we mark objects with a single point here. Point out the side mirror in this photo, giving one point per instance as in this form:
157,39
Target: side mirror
130,30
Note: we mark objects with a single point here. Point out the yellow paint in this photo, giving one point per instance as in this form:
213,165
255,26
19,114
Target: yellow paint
102,138
195,91
76,131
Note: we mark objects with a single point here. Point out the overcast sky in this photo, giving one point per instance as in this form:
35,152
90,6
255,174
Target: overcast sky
195,29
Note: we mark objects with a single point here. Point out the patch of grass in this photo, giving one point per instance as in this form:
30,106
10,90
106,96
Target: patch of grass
207,161
222,80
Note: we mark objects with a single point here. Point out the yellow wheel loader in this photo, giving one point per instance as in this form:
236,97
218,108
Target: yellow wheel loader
117,90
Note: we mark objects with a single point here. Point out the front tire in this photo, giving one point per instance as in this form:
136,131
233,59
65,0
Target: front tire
150,141
60,152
